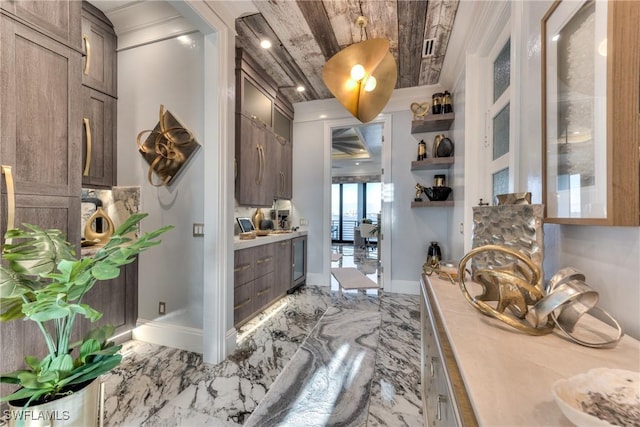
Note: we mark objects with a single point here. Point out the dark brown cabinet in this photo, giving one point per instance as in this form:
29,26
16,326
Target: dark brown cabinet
98,139
254,158
283,267
283,154
57,19
99,70
254,285
264,273
40,112
263,137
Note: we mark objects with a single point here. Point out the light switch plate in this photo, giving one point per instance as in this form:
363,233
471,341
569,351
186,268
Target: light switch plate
198,229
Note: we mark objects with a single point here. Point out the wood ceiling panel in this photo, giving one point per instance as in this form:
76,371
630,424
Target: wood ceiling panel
286,20
411,28
276,61
440,18
318,20
342,15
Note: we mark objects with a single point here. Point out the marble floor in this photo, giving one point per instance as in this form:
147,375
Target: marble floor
312,358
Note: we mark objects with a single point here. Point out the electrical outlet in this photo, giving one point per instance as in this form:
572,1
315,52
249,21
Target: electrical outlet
198,229
162,307
304,221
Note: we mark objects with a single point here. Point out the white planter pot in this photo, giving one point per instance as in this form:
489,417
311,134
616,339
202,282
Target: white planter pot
80,409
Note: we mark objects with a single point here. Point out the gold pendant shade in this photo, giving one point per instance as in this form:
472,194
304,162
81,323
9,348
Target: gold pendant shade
362,77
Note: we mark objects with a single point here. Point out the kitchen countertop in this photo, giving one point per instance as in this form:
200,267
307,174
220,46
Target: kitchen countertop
508,374
263,240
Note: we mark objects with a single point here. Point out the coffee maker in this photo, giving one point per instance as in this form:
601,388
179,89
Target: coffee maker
281,218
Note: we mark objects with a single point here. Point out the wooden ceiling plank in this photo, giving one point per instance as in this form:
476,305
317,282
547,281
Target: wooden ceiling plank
440,18
411,27
342,14
383,22
318,20
276,59
286,20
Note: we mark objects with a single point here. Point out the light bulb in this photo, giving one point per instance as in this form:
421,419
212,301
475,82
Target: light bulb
371,84
350,84
357,72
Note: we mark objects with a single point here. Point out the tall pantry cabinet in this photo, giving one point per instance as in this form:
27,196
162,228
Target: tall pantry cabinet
40,114
40,134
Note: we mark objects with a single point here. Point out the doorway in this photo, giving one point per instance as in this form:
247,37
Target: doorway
358,160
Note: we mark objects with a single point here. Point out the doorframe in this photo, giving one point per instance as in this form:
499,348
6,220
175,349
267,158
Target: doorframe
384,242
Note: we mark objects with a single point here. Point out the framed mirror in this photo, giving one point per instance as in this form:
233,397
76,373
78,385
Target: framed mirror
590,113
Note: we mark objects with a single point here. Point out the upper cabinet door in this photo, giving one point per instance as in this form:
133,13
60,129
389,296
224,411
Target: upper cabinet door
40,112
591,126
99,41
99,139
59,19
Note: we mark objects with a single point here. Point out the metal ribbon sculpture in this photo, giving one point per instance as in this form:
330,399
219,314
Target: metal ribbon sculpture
514,286
167,147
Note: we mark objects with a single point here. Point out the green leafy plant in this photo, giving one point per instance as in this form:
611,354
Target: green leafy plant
42,281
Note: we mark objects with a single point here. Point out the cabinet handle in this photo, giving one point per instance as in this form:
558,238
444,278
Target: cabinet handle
11,198
441,399
242,268
87,132
432,368
259,176
87,61
264,163
281,182
264,291
263,260
247,301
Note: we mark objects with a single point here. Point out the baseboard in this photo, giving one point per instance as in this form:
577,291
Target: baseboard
160,333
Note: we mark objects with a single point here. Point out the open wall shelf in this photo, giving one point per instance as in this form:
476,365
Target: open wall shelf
430,204
432,163
432,123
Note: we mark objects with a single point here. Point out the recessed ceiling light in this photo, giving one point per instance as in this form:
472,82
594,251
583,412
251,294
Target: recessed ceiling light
362,150
300,88
265,44
357,163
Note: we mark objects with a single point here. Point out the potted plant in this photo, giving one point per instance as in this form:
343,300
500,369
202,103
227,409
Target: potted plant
42,281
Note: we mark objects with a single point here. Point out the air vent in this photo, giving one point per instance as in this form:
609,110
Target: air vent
428,47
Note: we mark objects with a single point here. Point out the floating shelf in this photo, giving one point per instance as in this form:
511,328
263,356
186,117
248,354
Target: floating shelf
432,163
430,204
432,123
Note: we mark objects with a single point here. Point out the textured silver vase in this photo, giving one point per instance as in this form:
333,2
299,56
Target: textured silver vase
515,226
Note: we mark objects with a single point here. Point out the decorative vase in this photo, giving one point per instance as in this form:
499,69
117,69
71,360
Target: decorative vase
257,219
108,227
78,409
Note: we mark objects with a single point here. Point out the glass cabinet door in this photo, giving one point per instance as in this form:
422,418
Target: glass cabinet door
256,103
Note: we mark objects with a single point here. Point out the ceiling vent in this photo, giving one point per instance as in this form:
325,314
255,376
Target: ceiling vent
428,47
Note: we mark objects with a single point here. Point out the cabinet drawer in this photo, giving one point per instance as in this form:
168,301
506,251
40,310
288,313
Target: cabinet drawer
264,259
243,269
264,291
242,302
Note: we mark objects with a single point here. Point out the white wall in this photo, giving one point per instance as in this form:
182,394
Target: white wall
412,229
167,72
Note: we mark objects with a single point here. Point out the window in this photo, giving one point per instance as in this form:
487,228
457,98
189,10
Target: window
350,202
498,139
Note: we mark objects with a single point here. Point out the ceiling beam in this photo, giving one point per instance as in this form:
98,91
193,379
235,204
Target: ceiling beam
412,16
318,20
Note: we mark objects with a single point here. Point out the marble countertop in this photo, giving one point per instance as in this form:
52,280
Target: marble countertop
508,374
263,240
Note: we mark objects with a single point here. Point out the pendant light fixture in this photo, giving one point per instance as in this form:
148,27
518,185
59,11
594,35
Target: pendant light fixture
362,76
